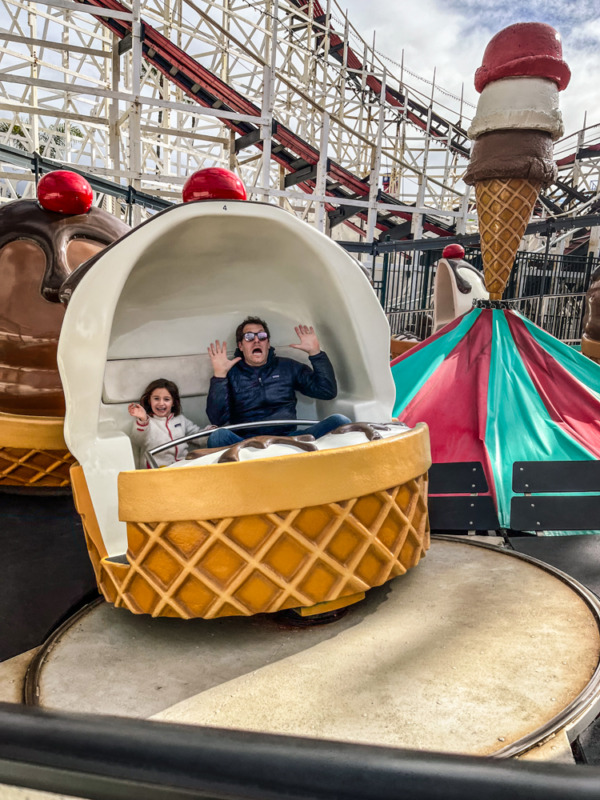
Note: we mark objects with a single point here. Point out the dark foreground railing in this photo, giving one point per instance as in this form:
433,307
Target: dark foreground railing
108,758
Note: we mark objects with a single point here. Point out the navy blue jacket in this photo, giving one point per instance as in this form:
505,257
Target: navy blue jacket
251,394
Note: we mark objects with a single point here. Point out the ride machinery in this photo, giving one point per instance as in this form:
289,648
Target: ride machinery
285,523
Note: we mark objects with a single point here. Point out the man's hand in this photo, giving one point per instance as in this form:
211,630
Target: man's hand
218,356
308,340
136,410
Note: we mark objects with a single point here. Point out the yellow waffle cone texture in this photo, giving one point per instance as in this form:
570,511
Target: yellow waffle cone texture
504,208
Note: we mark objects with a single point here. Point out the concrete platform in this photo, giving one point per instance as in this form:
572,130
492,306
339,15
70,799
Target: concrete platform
475,651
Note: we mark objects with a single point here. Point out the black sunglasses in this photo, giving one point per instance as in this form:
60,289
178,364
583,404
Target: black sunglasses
251,336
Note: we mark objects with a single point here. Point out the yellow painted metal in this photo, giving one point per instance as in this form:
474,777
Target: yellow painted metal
212,563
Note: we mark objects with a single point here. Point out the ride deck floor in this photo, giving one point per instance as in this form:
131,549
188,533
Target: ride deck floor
428,661
579,557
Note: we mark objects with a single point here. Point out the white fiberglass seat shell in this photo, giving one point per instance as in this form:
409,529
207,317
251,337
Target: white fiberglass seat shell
181,280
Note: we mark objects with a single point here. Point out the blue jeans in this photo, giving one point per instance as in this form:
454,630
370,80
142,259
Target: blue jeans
227,438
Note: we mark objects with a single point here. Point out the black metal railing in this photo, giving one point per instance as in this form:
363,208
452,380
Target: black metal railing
549,289
104,758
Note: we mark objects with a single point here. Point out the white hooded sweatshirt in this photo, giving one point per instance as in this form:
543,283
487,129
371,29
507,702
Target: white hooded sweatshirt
159,430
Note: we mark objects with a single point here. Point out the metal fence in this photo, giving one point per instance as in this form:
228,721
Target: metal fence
548,289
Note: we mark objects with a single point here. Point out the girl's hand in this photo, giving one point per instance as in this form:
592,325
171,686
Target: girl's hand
136,410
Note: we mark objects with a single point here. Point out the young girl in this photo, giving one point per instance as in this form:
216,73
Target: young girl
158,419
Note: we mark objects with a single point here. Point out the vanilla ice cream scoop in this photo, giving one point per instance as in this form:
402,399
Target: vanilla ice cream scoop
518,103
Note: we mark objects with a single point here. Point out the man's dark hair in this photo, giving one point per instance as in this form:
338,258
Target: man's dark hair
161,383
239,331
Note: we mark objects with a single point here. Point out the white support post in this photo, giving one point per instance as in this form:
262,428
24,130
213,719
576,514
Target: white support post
374,178
67,157
223,39
580,142
326,44
417,221
344,69
35,122
265,132
461,222
135,143
113,108
594,243
268,101
322,175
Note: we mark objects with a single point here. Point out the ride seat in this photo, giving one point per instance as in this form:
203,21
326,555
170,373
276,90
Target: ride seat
126,378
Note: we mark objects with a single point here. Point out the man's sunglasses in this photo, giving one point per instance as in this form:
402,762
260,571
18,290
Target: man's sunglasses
251,336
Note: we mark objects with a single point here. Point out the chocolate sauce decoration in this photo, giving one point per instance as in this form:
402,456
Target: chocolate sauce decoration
38,251
232,454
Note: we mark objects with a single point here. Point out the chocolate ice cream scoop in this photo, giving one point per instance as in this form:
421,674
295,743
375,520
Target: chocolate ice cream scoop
513,154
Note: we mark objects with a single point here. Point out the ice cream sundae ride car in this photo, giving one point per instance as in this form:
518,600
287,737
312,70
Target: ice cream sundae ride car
269,525
41,242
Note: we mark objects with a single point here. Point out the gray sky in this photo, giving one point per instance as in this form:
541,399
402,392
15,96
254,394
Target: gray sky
451,36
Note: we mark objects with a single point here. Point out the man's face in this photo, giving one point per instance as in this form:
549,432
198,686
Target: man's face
255,352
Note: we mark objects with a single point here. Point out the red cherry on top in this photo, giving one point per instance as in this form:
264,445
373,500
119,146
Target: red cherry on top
453,251
65,192
214,183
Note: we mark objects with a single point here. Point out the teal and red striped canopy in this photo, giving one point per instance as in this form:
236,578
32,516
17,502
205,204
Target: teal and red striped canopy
495,388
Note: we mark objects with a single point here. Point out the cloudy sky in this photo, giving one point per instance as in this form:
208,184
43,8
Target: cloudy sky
451,36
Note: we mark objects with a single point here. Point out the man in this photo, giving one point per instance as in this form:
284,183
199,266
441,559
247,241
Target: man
257,385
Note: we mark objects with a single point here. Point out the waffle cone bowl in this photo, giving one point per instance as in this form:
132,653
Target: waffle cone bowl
504,207
33,453
590,348
311,531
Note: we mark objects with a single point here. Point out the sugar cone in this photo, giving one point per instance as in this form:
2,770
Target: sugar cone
504,208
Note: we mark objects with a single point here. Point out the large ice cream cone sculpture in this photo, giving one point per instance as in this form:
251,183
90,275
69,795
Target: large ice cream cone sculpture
516,123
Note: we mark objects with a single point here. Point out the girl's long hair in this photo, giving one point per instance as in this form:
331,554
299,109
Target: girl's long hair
161,383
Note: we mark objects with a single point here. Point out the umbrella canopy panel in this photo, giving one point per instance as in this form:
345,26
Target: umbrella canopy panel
495,388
